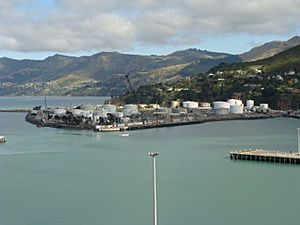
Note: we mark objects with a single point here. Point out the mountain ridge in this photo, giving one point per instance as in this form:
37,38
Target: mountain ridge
269,49
108,69
104,73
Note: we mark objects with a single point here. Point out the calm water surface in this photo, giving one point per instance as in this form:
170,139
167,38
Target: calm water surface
30,102
66,177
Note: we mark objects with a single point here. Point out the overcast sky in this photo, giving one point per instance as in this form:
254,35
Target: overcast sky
39,28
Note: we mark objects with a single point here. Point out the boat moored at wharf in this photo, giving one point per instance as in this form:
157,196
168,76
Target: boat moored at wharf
2,139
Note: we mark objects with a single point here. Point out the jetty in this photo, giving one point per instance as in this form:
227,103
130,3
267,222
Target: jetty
268,155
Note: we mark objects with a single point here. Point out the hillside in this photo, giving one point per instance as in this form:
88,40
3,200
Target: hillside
275,80
269,49
285,61
102,73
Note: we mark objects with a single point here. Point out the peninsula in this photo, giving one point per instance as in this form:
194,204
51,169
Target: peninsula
109,117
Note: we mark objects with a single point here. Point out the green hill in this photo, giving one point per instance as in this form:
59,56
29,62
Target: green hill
285,61
275,80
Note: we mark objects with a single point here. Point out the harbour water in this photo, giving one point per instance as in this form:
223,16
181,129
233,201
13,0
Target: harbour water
68,177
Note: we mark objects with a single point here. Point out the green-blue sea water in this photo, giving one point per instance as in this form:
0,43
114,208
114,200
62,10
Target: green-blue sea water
53,176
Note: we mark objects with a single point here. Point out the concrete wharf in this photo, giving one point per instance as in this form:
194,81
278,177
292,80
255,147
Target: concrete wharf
266,156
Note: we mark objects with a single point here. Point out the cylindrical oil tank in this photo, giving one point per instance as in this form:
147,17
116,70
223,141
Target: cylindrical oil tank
85,113
59,111
205,104
264,106
77,112
221,108
119,114
238,102
110,108
235,102
101,113
190,105
231,101
130,109
87,107
221,111
221,105
174,104
50,110
89,115
249,104
236,109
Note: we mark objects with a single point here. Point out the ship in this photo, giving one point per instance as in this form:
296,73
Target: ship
2,139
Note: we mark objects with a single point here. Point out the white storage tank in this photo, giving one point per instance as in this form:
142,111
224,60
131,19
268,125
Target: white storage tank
264,106
231,101
174,104
87,107
59,111
77,112
205,104
249,104
235,102
110,108
85,113
221,105
221,111
130,109
190,105
221,108
89,115
119,114
238,102
236,109
101,113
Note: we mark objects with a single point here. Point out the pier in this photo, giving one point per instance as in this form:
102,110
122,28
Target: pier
266,156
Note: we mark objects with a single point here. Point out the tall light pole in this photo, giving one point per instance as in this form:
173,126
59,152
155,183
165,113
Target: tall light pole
153,155
298,129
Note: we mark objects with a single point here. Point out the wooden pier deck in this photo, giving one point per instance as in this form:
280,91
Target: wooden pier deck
266,156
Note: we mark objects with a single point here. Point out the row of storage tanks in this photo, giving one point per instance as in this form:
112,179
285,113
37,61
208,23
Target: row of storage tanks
190,104
128,110
231,106
235,106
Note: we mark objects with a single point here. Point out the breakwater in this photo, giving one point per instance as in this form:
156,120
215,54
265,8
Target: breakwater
15,110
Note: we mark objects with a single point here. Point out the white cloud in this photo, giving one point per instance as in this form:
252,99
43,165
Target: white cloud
70,26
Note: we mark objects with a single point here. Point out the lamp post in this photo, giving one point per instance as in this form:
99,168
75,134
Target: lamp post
298,129
153,155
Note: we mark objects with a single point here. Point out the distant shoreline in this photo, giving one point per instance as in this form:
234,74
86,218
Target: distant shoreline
15,110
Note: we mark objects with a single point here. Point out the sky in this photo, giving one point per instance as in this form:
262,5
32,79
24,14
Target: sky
36,29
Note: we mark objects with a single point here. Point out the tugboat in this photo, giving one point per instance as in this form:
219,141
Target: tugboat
106,128
2,139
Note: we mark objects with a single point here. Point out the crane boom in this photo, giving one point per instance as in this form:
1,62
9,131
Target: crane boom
129,83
